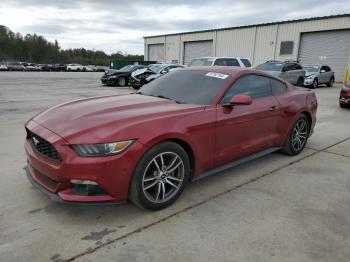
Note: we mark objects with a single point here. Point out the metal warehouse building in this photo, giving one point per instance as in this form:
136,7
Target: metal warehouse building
311,41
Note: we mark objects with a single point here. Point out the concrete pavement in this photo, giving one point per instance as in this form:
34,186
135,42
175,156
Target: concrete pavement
276,208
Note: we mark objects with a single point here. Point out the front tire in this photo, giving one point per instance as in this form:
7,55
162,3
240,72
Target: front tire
297,136
314,83
160,176
122,81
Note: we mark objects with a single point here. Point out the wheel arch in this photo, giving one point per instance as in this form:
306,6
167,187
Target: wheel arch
189,152
309,117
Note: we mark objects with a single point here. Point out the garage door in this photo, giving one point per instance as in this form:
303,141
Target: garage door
331,48
197,49
156,52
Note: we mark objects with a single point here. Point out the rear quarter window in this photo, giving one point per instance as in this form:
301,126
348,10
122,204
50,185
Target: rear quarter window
246,62
278,87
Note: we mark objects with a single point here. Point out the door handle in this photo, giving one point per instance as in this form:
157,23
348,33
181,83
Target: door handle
273,108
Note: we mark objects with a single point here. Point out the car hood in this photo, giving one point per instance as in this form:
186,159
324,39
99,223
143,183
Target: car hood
99,119
309,74
142,71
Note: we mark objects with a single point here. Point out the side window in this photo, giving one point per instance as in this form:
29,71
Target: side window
232,62
246,62
298,67
251,85
219,62
287,67
325,68
278,87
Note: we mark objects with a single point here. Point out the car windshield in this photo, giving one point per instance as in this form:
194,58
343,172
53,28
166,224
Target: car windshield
270,67
311,69
187,87
127,68
156,68
202,62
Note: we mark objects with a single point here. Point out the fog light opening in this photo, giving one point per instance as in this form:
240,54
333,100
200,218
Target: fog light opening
83,182
86,188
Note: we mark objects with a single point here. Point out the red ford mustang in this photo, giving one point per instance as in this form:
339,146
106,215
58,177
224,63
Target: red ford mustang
183,126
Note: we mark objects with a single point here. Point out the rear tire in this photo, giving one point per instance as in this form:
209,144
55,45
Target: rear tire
331,82
160,176
297,137
314,83
300,81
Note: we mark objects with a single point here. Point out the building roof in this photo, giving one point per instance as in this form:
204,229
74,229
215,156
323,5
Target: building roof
253,25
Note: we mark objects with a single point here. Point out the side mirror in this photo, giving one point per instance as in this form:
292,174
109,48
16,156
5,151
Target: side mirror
323,71
284,69
164,71
239,100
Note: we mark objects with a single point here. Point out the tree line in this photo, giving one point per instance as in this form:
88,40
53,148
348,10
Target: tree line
36,49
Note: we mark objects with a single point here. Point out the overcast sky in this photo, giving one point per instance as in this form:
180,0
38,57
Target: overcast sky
120,25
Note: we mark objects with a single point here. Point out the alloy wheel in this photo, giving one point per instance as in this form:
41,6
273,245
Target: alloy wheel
121,81
163,177
299,136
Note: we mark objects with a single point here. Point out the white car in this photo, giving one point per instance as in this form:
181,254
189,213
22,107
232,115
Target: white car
221,61
75,67
3,67
90,68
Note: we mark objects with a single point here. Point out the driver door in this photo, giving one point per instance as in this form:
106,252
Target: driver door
246,129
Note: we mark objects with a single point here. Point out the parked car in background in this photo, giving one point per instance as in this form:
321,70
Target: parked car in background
29,67
46,67
120,77
146,146
221,61
101,68
344,98
316,75
15,66
58,67
148,74
91,68
74,67
3,67
290,71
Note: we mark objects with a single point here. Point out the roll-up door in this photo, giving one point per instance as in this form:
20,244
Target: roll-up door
156,52
328,47
197,49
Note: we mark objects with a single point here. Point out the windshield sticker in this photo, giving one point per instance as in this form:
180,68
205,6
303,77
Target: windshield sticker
216,75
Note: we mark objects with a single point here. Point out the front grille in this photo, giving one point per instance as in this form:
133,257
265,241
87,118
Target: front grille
43,147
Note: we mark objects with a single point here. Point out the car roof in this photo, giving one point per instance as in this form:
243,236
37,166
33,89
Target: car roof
228,70
216,57
316,65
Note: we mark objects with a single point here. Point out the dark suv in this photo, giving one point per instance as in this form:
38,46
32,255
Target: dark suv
290,71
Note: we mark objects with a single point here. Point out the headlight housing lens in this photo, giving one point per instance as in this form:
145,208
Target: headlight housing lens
107,149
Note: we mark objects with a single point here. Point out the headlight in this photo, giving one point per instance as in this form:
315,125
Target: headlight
102,149
309,77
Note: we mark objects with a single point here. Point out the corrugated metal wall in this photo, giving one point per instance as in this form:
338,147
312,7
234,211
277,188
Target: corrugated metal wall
259,43
239,42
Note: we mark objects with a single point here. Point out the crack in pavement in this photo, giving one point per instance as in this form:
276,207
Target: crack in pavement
92,250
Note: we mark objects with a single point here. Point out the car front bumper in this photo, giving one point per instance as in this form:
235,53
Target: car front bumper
308,81
111,173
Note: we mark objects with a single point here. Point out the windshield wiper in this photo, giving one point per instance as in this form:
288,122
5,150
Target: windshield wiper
160,96
165,97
